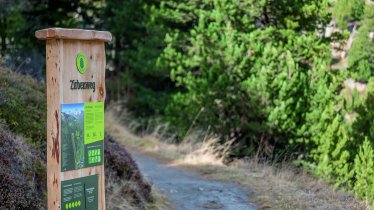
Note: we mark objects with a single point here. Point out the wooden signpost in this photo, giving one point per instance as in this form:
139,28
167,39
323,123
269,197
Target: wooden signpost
75,104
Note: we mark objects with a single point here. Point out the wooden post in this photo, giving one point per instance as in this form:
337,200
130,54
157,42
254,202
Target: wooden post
75,121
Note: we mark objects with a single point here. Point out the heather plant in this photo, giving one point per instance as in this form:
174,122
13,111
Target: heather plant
22,174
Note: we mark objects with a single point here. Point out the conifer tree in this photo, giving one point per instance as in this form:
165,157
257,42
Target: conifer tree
246,71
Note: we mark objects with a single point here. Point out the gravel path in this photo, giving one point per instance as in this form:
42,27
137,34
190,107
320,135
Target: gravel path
187,191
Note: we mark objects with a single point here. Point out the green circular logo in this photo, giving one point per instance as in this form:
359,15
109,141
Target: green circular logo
81,63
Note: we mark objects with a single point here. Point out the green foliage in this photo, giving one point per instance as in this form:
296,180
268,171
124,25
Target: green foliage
364,172
19,19
332,155
266,83
254,71
23,141
209,68
138,42
12,23
341,155
361,55
23,106
242,82
364,124
348,10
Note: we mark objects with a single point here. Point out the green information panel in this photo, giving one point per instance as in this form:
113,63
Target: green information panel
80,194
82,135
93,122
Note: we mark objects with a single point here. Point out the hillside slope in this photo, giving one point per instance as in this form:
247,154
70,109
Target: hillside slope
23,146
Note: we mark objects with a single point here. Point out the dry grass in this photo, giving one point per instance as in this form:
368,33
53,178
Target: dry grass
188,152
160,202
125,186
272,186
207,152
114,196
116,189
282,187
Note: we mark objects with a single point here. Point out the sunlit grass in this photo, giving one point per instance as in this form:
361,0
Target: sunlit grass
271,185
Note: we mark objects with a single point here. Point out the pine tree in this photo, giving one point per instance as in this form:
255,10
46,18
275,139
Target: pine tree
245,71
361,55
138,42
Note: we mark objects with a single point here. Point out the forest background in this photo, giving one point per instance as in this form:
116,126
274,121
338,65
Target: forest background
287,79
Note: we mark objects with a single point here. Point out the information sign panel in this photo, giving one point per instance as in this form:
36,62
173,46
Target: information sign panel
82,135
75,78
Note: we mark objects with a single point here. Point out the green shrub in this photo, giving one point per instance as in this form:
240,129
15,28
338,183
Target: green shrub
340,154
361,55
332,155
364,172
268,84
137,43
347,10
23,106
242,81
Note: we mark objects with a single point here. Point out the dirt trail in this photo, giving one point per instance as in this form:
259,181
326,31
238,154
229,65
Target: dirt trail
187,191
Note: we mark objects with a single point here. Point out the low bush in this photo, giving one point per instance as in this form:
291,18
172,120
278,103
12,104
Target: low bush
23,106
23,152
121,168
364,173
23,186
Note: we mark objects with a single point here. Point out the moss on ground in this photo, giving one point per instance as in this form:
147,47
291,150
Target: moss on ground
23,106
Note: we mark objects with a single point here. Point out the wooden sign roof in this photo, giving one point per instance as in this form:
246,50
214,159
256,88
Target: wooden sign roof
77,34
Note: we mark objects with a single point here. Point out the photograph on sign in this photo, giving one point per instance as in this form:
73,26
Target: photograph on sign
82,135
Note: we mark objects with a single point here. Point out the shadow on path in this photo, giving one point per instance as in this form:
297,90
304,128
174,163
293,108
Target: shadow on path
187,191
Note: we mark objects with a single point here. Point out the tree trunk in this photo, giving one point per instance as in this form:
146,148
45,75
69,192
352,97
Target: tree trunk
3,36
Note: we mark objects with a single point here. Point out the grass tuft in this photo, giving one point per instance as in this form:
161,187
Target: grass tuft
271,185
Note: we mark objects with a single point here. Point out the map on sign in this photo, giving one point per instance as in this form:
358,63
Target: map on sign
82,135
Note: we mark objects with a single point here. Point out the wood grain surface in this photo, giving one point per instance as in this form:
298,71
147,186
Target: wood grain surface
78,34
61,68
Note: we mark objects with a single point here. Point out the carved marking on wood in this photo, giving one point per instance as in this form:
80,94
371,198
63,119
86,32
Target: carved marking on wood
56,143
